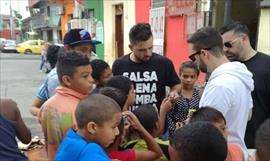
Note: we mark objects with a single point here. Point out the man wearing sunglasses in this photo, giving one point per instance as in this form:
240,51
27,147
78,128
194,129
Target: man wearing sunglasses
229,86
78,40
237,47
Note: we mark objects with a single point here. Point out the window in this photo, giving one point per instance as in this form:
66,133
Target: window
48,11
36,10
34,43
158,3
88,13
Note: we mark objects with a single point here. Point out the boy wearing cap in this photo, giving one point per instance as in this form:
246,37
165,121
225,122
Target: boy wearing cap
78,40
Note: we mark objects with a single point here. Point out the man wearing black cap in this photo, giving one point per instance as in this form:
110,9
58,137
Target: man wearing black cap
78,40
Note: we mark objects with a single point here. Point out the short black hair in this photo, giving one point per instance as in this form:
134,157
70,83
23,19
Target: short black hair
207,37
52,55
97,108
147,115
189,64
199,141
140,32
207,114
236,26
68,63
262,141
98,67
116,94
121,82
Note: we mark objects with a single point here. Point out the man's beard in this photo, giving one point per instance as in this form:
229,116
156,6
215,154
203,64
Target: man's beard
232,56
203,66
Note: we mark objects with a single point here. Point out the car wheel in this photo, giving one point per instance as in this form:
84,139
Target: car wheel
27,51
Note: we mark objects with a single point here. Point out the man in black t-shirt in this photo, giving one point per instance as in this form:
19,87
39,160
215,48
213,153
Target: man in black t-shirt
150,72
237,48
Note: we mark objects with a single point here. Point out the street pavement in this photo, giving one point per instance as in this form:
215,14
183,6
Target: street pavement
19,79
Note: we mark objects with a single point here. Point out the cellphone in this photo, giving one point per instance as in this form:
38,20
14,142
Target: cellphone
190,112
125,119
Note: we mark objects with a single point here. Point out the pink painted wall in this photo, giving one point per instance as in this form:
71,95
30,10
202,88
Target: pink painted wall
175,44
176,47
142,9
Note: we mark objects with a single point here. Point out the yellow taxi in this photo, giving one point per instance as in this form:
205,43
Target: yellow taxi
31,46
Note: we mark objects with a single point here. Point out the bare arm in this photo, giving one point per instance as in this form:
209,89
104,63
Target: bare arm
10,111
22,132
165,107
36,105
175,90
154,151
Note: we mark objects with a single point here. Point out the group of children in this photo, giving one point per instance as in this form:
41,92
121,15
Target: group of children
97,126
88,119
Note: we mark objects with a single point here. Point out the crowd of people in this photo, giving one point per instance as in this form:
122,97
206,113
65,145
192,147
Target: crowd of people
89,111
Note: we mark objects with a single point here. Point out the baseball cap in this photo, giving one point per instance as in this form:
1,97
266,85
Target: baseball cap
79,36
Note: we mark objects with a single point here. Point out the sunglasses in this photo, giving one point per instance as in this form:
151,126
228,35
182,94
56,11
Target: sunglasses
192,56
229,44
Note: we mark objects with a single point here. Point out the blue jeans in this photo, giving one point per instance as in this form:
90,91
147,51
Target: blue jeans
42,62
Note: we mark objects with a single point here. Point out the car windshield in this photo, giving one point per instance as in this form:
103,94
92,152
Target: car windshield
9,42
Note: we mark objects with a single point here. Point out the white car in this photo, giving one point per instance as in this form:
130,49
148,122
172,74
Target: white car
9,46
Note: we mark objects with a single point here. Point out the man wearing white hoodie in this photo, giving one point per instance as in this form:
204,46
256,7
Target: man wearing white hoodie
229,86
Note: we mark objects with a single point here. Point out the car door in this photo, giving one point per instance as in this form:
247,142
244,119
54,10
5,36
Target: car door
34,46
41,45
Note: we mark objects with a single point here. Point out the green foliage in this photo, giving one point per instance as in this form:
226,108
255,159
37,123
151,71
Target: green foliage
17,15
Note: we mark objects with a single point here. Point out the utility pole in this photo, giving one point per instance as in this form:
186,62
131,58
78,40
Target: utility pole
228,12
11,21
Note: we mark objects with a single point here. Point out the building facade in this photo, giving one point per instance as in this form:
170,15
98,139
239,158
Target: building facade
46,20
263,43
119,17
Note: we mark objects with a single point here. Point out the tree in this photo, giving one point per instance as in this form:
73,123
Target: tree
18,18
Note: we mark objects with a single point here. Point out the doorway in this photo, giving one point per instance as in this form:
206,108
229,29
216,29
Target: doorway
119,43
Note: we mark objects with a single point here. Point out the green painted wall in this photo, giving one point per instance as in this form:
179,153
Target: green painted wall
97,5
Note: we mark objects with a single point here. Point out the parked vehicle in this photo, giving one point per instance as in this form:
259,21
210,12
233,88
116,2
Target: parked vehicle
9,46
1,43
31,46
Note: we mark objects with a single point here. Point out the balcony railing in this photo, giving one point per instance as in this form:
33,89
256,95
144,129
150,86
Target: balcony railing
40,21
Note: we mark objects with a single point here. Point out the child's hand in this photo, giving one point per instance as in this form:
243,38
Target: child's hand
179,125
166,105
133,120
173,95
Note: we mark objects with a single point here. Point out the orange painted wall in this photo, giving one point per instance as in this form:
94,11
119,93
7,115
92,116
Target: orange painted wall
66,17
68,6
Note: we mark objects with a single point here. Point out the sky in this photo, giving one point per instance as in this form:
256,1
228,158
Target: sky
18,5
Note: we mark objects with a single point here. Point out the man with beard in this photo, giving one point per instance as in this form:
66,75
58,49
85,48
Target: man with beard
237,48
229,86
149,71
